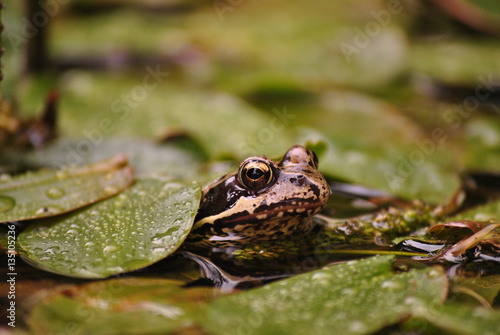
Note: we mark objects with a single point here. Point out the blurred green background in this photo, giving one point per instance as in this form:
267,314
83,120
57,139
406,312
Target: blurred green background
398,95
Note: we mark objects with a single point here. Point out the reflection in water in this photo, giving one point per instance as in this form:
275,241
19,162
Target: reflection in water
266,261
256,264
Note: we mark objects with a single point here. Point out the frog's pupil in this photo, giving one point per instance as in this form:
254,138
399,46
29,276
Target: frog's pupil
254,173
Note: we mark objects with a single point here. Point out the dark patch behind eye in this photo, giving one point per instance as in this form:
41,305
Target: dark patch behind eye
314,161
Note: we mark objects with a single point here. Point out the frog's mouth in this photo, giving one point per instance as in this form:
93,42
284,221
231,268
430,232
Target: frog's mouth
275,225
245,217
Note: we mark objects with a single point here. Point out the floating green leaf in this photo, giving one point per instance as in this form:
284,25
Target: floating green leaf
145,155
481,213
460,319
120,306
204,115
134,229
358,297
384,150
47,193
482,144
433,60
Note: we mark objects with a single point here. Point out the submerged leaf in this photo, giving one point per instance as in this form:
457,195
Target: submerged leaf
486,287
48,193
358,297
120,306
460,319
138,227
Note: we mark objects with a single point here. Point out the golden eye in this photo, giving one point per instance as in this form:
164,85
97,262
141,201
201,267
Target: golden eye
255,174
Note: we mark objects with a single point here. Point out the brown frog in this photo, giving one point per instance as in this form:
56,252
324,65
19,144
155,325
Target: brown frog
262,200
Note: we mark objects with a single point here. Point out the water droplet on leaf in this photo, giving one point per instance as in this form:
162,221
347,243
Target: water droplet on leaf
357,326
73,232
48,210
111,248
392,286
55,193
50,251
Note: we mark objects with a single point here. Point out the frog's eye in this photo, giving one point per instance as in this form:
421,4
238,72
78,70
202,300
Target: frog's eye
255,174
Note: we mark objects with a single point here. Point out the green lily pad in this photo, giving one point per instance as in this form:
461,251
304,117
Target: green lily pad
460,318
358,297
482,144
203,115
47,193
433,59
365,141
481,213
120,306
134,229
179,160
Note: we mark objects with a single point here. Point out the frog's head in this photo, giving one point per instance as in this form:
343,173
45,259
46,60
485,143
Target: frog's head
263,199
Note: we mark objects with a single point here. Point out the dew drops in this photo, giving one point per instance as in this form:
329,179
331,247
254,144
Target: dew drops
392,286
111,248
348,291
131,230
85,273
357,326
55,192
410,300
49,251
158,251
6,203
51,210
72,232
321,277
161,240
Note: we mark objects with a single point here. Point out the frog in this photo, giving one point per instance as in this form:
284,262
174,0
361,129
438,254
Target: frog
262,200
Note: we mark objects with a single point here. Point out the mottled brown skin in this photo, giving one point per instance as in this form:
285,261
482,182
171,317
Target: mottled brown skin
263,200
